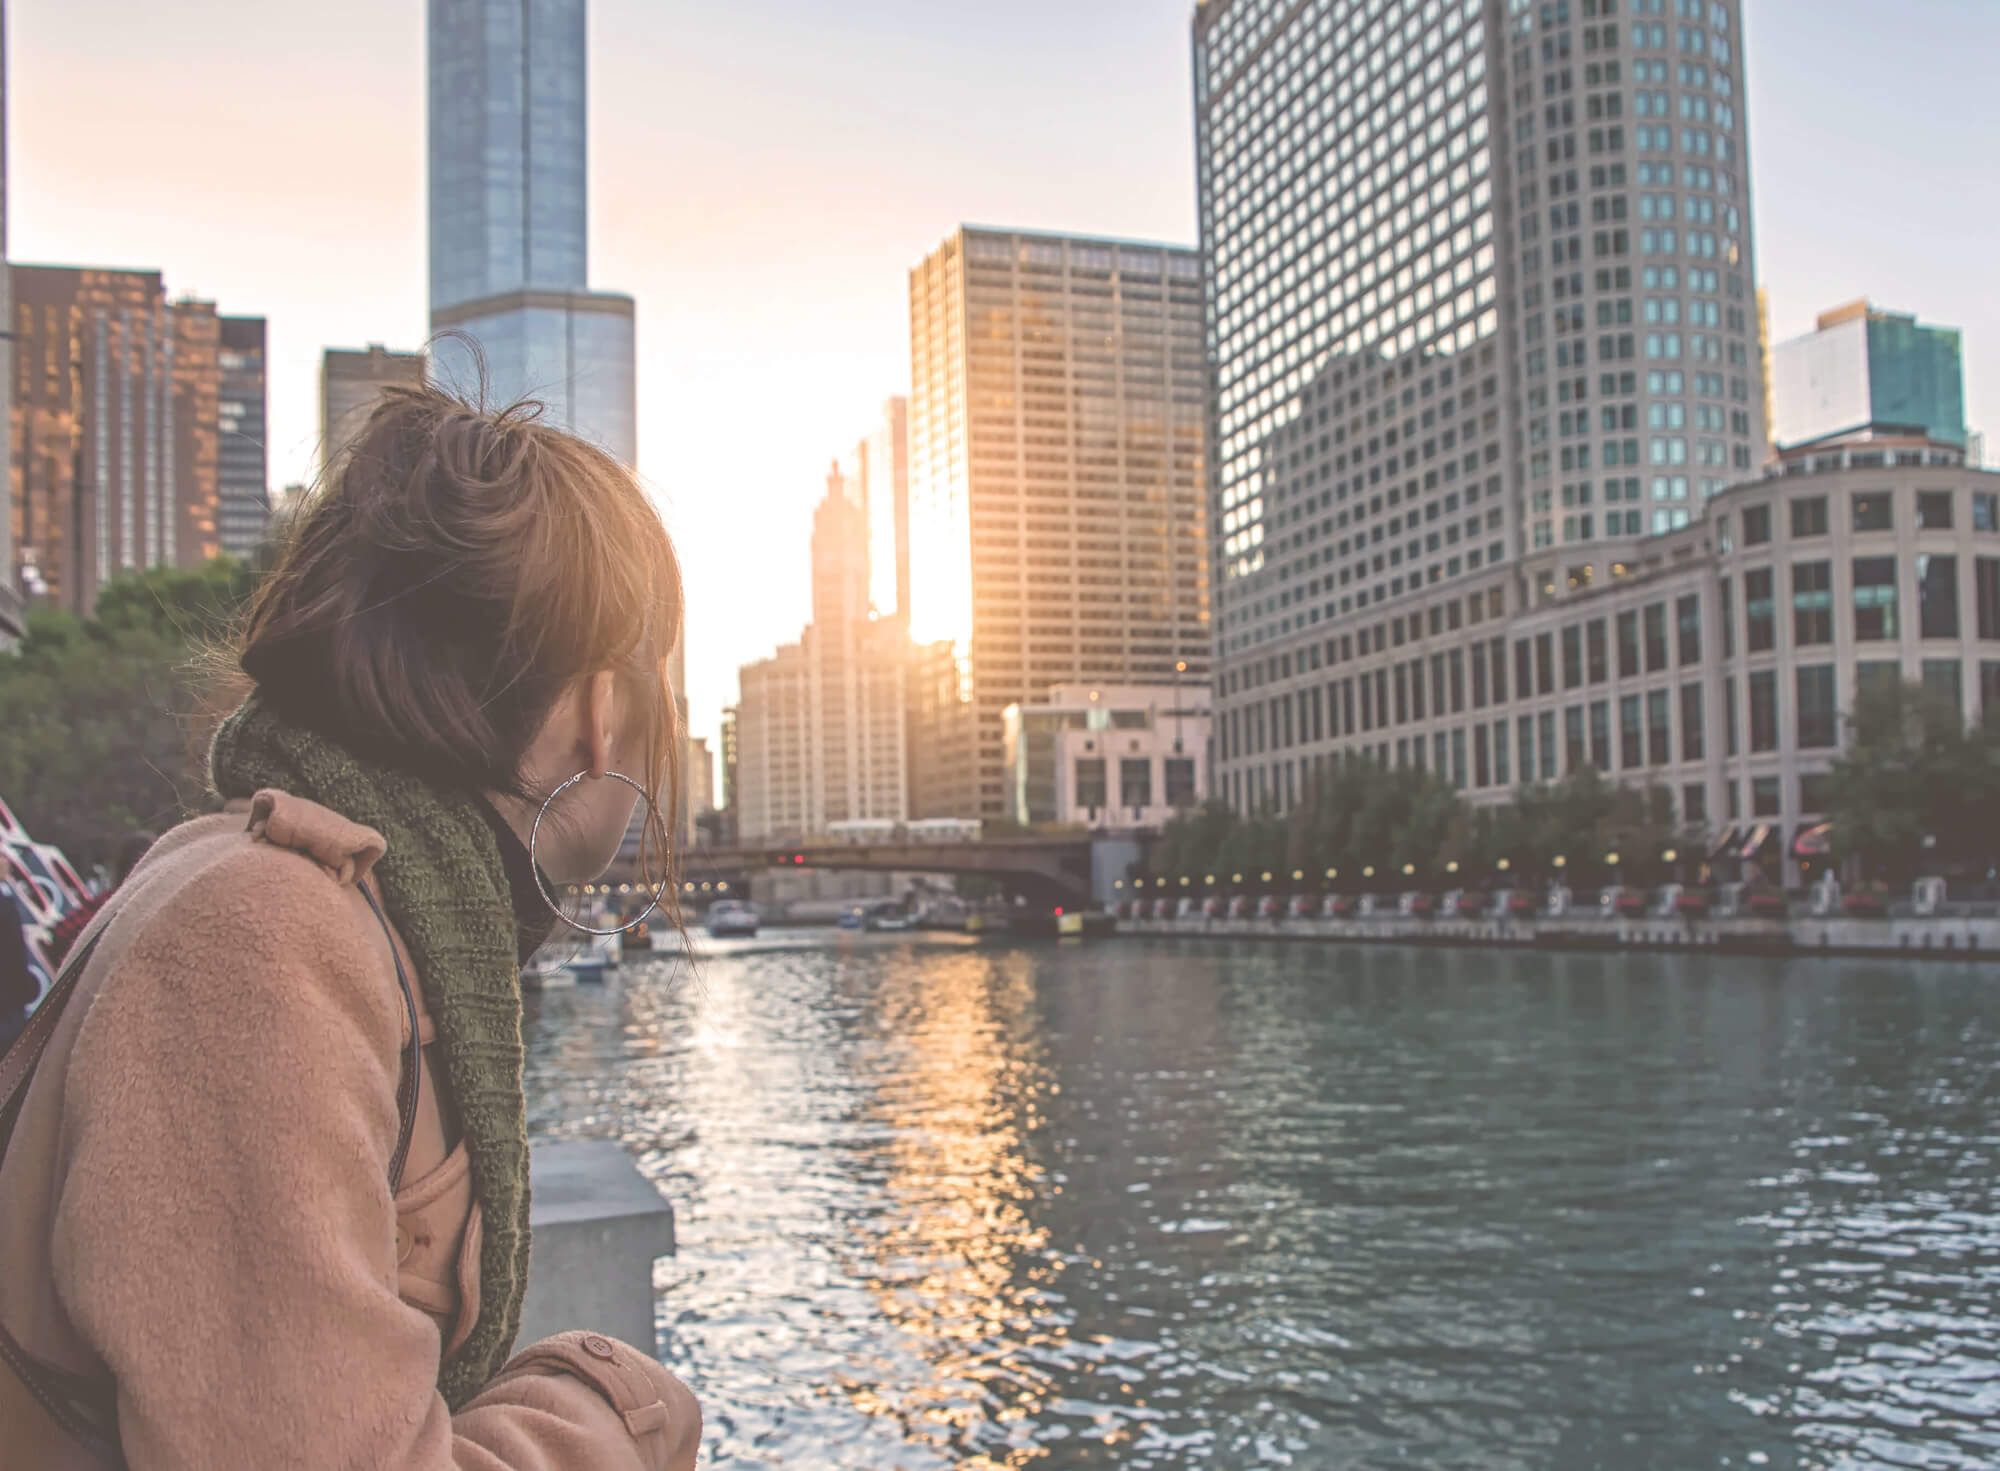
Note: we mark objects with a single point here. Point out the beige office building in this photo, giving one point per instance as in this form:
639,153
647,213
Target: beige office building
350,382
1058,526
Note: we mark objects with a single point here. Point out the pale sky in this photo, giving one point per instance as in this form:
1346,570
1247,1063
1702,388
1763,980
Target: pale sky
765,172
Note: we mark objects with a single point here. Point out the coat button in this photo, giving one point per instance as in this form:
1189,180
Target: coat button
598,1347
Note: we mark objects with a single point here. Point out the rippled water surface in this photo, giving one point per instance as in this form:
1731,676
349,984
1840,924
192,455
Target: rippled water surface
1164,1205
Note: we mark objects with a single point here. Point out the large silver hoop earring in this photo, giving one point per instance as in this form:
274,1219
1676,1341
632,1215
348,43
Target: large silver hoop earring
534,833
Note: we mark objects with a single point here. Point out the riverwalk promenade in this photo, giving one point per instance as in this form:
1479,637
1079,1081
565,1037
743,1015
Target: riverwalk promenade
1952,936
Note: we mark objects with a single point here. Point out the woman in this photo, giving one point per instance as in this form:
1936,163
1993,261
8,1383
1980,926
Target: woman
266,1200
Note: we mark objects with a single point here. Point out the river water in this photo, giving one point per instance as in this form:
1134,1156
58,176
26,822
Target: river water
1172,1204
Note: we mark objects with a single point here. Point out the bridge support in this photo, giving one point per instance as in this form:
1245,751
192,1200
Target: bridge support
1110,860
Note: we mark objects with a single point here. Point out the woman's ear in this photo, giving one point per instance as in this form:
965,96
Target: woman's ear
600,715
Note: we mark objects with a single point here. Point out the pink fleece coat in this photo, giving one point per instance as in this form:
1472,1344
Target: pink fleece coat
197,1197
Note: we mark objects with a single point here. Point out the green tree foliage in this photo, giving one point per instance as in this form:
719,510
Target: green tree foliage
1361,816
1915,791
103,721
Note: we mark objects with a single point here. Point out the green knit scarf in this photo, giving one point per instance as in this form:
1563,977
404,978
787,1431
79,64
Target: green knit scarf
445,890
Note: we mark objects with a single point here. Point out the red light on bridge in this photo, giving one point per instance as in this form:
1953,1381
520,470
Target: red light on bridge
798,858
1059,911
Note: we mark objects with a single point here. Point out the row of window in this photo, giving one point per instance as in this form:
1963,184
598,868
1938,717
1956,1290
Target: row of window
1135,782
1638,735
1641,641
1868,510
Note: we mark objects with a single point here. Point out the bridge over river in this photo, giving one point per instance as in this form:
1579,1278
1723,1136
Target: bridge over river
1077,869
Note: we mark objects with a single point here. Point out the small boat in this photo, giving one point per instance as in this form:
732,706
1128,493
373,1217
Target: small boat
891,921
853,919
731,919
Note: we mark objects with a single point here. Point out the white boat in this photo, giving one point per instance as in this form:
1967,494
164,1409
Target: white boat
731,919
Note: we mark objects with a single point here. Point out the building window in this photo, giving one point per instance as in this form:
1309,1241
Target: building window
1594,644
1756,525
1526,732
1135,782
1986,594
1687,612
1764,710
1764,798
1482,763
1630,753
1694,804
1600,734
1871,675
1758,605
1874,598
1628,645
1572,657
1937,596
1656,638
1545,738
1812,791
1502,774
1090,790
1818,721
1809,516
1985,511
1574,751
1729,718
1989,690
1724,592
1180,781
1944,677
1545,664
1692,742
1658,737
1812,602
1934,510
1873,511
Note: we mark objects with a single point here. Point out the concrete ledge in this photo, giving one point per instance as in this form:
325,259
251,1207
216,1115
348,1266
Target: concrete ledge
599,1226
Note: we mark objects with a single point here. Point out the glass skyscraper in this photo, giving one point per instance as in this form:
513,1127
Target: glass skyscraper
1865,371
1480,320
508,220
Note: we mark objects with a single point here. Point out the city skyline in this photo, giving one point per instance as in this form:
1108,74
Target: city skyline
790,295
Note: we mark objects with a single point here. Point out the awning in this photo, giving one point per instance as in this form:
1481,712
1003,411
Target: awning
1727,843
1754,844
1815,840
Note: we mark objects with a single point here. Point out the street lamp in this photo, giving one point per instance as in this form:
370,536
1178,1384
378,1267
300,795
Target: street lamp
1451,867
1611,859
1333,873
1209,879
1267,876
1560,861
1503,865
1669,856
1298,874
1368,872
1408,869
1180,668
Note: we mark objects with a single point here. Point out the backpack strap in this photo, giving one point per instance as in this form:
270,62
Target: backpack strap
86,1405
